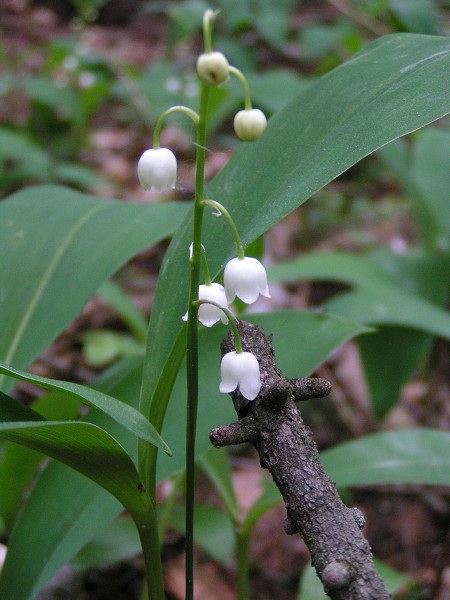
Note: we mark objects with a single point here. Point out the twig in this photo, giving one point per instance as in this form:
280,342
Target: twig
272,423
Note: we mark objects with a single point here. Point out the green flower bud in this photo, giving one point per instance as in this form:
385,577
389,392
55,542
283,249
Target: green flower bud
249,124
212,68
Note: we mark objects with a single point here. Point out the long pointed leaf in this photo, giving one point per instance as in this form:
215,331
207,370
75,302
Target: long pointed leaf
65,509
46,234
119,411
398,84
409,456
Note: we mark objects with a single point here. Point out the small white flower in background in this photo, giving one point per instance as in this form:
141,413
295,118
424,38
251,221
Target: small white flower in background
245,278
212,68
240,369
157,167
249,124
208,314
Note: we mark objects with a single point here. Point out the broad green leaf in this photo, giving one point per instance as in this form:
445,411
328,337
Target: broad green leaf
112,293
65,509
268,499
82,446
406,456
213,531
423,172
302,341
102,347
430,174
216,465
46,234
20,463
390,306
418,16
391,290
390,358
398,84
119,411
377,299
117,542
393,354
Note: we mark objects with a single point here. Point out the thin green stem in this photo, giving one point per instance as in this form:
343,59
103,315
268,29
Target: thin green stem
247,96
208,23
242,549
222,210
182,109
192,341
231,319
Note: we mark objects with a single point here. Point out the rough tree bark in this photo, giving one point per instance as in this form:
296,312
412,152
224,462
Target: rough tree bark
272,423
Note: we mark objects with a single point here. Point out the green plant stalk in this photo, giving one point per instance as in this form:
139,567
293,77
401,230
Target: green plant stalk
147,526
247,96
242,542
192,341
222,210
182,109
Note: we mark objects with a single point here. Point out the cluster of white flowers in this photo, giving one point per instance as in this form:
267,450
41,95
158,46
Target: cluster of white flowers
246,279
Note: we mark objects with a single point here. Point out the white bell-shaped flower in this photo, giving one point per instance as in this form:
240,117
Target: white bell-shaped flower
157,167
240,369
245,278
209,314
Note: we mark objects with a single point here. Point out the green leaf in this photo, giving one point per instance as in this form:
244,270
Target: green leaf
422,171
117,542
268,499
65,509
419,16
390,289
407,456
112,293
390,357
101,347
216,465
81,446
46,234
119,411
213,531
20,463
431,176
396,85
377,299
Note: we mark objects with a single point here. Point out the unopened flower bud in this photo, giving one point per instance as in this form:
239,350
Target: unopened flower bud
212,68
249,124
157,167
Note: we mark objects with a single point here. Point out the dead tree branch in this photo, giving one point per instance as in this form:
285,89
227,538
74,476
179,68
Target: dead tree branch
272,423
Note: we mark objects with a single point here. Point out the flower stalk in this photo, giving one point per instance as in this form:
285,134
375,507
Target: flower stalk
192,341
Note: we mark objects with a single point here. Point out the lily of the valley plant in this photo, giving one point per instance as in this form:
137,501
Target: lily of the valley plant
244,276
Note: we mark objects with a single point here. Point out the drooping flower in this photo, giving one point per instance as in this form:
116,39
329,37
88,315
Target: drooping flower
245,278
208,314
240,369
213,68
157,167
249,124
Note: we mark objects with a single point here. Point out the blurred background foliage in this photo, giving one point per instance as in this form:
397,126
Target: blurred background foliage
81,85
